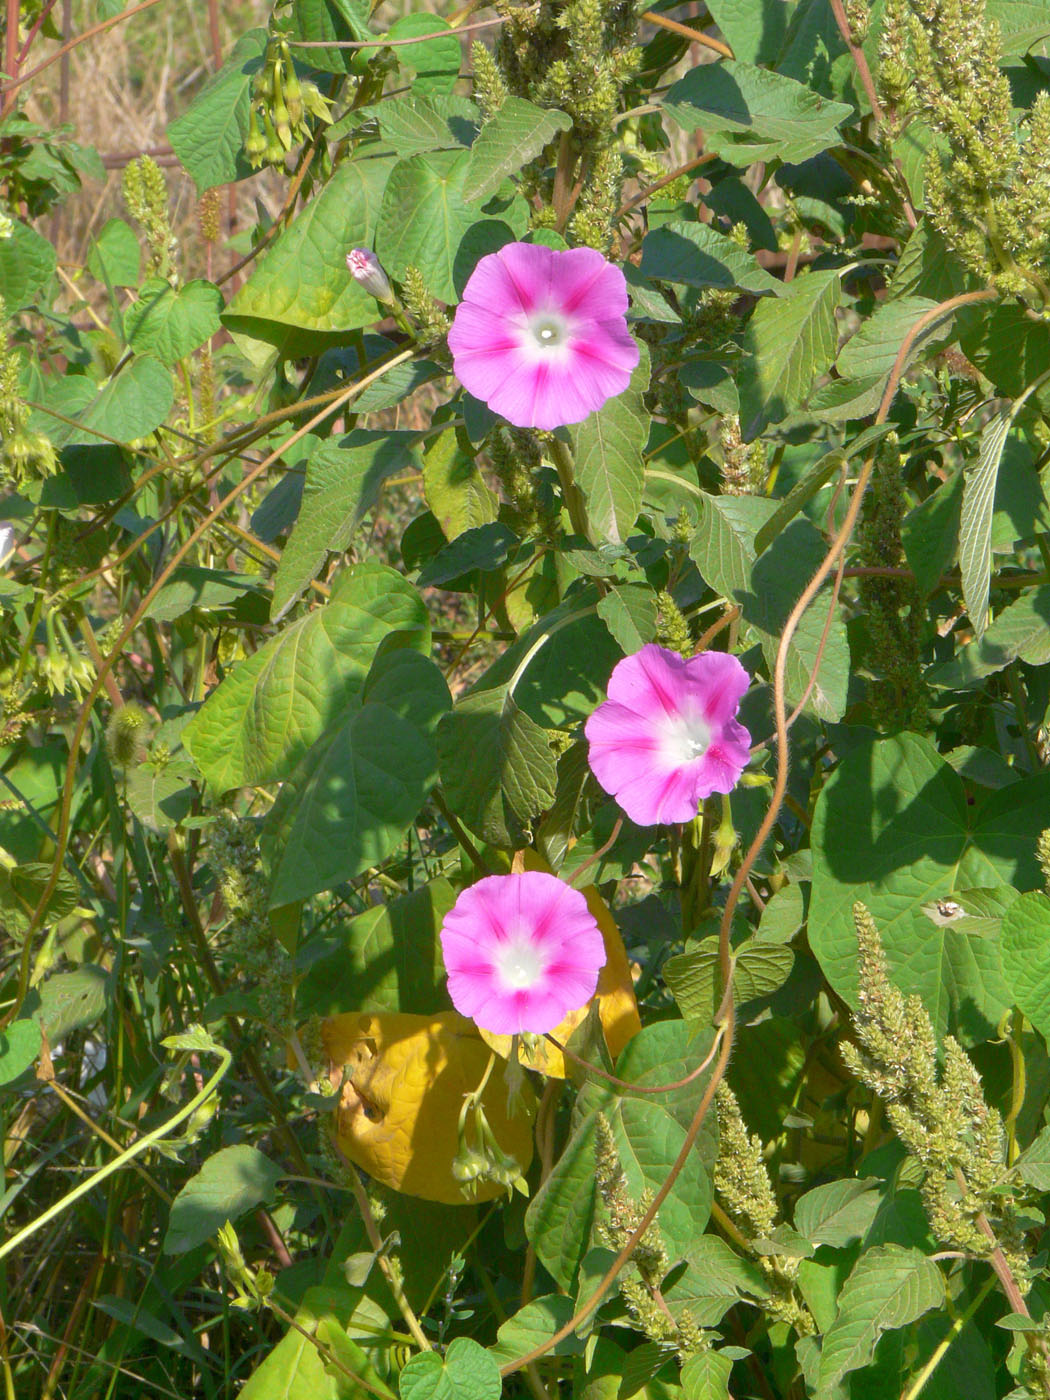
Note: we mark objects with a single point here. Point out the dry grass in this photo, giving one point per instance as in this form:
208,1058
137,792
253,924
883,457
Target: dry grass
119,90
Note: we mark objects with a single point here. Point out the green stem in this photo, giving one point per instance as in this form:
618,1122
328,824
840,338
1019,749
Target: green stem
958,1323
135,1150
571,493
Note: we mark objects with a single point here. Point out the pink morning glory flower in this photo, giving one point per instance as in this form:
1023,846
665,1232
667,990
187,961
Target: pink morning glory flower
540,335
521,952
668,735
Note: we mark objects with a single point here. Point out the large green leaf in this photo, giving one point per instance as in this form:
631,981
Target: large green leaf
1026,957
19,1047
269,712
789,341
497,767
754,31
425,218
889,1287
629,612
386,959
1020,630
455,489
705,1376
129,405
533,1324
1021,24
467,1372
750,114
27,260
233,1181
559,1218
71,1001
975,530
872,351
435,61
343,482
767,587
301,295
693,977
208,137
609,465
514,136
715,1280
331,22
170,323
648,1133
696,255
837,1213
648,1140
115,256
416,122
297,1368
354,794
893,828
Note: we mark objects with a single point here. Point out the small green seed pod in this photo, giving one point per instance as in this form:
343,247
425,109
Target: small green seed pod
125,733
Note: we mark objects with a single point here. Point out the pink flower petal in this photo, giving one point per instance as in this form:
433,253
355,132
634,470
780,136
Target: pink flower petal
651,682
538,396
475,326
653,795
587,286
720,768
499,285
721,681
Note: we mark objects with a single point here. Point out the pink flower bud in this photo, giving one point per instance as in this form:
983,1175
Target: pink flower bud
366,268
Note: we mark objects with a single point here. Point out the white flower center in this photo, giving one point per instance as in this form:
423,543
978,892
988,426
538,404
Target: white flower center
519,962
548,330
686,738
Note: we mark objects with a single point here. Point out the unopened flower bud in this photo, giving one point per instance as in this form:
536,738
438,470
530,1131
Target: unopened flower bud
255,140
7,539
366,268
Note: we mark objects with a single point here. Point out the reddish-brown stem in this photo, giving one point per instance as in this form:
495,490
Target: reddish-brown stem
859,58
381,43
624,1085
561,198
660,184
730,615
37,26
838,546
612,1273
10,53
860,62
601,851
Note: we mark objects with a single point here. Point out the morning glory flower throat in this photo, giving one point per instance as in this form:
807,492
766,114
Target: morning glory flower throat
668,736
521,952
540,335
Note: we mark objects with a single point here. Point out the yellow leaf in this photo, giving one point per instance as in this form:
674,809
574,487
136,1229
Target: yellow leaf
617,1007
406,1079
